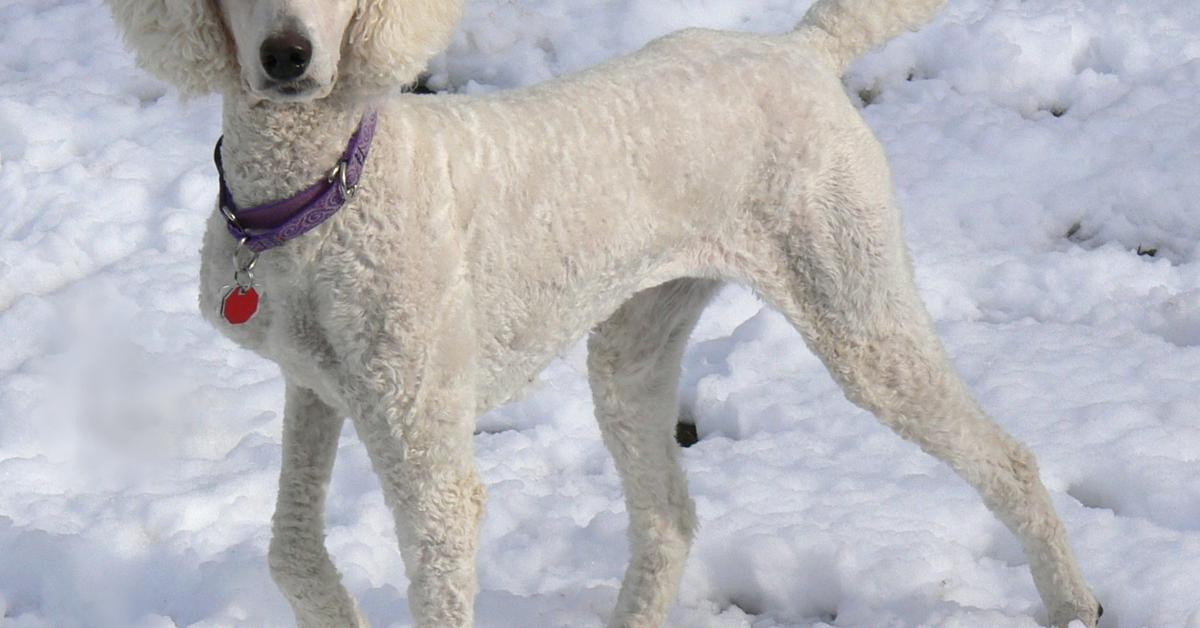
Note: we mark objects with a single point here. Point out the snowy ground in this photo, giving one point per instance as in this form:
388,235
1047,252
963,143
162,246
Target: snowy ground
1036,146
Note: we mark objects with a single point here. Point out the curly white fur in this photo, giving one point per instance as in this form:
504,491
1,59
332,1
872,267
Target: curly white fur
492,232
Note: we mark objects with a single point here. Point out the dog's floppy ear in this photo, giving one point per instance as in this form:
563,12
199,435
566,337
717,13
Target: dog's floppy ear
183,42
390,41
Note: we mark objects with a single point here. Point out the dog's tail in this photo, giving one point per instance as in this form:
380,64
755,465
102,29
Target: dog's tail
845,29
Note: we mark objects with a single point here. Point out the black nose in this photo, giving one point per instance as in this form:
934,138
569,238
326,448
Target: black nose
285,56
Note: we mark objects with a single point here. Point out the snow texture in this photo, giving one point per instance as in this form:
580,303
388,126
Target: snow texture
1041,150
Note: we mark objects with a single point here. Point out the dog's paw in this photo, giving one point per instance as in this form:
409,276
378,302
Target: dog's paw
1087,619
421,86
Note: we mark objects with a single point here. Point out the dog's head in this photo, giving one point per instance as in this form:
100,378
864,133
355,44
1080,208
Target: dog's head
286,50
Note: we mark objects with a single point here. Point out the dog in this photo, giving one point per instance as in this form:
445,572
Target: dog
458,243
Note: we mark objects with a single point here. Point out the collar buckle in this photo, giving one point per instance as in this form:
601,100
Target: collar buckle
230,217
338,175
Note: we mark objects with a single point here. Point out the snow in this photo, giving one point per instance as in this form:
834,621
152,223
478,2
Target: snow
1035,146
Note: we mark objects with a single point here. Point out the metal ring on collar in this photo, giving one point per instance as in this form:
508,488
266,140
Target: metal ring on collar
229,216
339,175
248,266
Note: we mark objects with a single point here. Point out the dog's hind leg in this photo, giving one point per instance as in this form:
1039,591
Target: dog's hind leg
843,277
633,367
299,561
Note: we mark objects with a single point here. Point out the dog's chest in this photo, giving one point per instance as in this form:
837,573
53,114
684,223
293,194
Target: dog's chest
284,329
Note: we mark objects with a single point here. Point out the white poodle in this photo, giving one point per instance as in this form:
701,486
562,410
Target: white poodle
463,242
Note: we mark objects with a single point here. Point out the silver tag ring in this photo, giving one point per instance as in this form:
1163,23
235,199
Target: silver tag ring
244,278
237,255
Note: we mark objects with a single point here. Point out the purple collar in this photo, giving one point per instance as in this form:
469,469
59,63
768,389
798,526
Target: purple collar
270,225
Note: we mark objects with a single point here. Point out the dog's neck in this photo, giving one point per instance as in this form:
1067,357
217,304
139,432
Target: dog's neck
274,150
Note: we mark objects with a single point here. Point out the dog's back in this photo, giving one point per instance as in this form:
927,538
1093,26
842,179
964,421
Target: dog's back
695,134
846,29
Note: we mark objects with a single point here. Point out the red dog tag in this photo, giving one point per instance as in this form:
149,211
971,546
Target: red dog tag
239,305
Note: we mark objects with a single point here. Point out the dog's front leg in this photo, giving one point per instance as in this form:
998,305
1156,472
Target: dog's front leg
299,562
423,454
